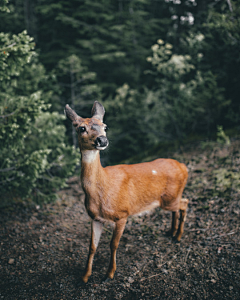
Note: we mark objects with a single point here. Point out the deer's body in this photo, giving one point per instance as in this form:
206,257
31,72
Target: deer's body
115,192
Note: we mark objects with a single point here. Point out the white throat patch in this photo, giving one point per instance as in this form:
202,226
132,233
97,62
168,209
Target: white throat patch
88,156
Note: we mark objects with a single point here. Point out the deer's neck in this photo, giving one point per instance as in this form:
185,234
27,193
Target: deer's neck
90,157
91,170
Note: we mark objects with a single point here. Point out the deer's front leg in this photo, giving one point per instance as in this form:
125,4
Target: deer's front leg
96,232
117,233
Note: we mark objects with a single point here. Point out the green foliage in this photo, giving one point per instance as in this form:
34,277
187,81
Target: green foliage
127,117
222,138
173,93
49,135
35,161
15,52
182,99
97,51
221,53
168,64
3,6
111,37
77,82
78,87
226,180
188,98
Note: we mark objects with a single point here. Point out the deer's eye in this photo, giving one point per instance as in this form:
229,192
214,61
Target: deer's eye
81,129
106,128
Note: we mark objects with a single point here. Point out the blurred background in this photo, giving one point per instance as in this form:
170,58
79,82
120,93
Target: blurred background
166,71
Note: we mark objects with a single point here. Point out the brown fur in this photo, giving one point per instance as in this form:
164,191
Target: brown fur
116,192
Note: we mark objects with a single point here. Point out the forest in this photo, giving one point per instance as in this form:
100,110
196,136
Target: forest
166,71
168,75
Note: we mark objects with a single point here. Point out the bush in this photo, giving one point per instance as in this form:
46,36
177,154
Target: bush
35,161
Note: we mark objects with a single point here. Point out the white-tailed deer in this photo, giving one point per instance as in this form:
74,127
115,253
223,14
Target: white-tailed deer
116,192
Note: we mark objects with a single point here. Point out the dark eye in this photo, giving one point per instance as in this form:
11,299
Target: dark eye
81,129
106,128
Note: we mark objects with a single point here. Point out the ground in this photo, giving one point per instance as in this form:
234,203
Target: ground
43,250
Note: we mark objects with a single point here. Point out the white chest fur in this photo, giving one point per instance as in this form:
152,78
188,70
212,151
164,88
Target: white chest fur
89,156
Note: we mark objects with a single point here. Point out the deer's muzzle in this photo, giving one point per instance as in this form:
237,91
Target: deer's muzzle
101,142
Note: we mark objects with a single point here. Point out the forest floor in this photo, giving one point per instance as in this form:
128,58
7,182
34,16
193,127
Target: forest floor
43,250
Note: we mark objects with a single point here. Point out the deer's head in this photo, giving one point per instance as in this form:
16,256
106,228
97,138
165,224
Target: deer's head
91,131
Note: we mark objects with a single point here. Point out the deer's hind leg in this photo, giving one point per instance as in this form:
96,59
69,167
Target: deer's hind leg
174,228
183,215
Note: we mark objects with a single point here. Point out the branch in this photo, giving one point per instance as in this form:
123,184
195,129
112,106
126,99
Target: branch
8,115
7,180
159,134
13,44
81,103
72,84
230,5
7,169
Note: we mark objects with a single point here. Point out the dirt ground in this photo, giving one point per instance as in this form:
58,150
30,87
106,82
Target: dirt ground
43,250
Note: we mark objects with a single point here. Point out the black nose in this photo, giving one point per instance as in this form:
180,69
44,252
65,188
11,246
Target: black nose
101,141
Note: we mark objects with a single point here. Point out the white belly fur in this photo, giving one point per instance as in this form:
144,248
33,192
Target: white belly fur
149,207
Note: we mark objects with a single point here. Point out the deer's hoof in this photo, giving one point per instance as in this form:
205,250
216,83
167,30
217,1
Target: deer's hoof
176,241
106,279
84,279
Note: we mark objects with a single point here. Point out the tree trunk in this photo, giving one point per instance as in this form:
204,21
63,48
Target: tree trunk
73,104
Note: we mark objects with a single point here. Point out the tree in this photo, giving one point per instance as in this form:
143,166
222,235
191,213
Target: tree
222,48
189,98
111,38
191,91
77,86
34,157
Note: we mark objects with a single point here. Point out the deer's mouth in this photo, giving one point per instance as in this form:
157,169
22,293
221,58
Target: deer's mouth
101,148
101,143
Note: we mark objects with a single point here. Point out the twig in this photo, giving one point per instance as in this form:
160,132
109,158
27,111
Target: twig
13,44
167,261
187,255
217,236
197,229
107,230
145,264
7,169
141,269
7,180
8,115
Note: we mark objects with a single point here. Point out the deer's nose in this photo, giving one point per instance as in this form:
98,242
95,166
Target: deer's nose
101,141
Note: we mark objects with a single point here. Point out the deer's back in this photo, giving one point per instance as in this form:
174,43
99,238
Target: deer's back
138,187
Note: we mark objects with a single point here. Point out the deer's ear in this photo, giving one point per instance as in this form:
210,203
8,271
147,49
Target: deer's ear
98,111
70,113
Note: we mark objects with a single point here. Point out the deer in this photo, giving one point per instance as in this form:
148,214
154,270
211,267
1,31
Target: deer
114,193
